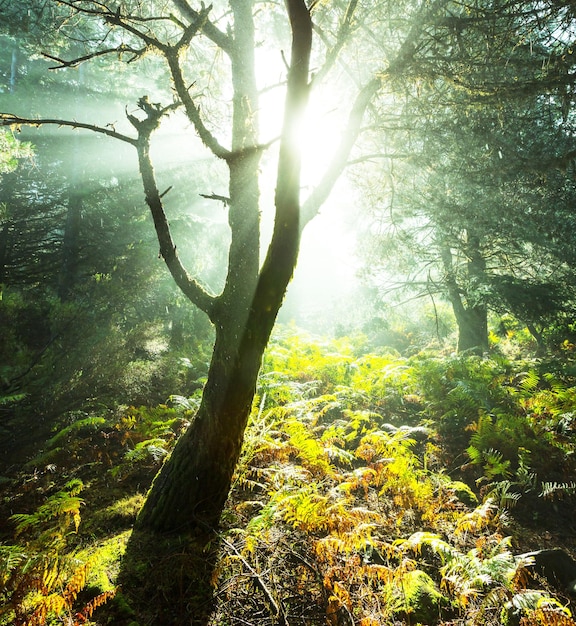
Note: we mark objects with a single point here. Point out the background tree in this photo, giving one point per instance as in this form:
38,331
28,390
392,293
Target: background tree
465,195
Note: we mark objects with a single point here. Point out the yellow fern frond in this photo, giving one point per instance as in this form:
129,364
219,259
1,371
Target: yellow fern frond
99,600
51,574
547,617
479,518
75,584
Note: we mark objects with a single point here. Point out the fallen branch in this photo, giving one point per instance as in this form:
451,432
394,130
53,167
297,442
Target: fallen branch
279,613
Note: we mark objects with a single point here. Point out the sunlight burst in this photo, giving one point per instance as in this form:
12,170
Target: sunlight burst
318,133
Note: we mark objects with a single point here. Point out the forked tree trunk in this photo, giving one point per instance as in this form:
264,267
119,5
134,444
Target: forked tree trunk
193,484
471,318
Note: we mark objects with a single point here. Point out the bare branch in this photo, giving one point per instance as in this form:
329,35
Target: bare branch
340,159
145,127
8,119
276,606
172,55
192,110
221,39
213,196
403,58
62,63
115,18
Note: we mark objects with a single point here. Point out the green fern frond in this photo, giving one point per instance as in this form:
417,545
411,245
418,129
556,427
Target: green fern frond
553,490
11,557
89,423
63,505
188,404
557,385
154,449
536,608
502,494
530,381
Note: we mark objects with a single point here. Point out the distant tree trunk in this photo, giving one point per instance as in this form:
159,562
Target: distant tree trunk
7,233
538,336
70,246
5,223
13,68
471,313
71,241
4,239
472,329
193,484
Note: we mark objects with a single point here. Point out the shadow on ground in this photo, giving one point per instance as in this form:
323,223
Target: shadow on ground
167,579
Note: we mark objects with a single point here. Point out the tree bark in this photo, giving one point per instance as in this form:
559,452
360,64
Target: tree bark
71,241
473,330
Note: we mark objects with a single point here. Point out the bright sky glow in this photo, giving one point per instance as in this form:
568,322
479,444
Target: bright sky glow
319,131
326,270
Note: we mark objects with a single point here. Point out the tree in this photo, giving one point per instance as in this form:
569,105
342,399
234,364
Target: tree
483,134
195,481
193,484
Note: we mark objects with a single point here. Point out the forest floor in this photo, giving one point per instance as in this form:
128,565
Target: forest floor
373,490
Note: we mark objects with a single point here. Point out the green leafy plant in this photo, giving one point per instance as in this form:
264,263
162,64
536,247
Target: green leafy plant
41,581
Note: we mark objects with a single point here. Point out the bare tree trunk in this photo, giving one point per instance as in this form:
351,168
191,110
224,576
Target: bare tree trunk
70,246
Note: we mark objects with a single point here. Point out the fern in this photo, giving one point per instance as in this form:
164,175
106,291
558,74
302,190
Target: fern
482,569
325,456
307,448
306,510
40,582
89,423
63,506
478,519
536,608
149,449
503,495
11,557
439,546
529,382
553,490
548,617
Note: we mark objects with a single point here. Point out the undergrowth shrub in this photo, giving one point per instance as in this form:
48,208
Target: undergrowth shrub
347,505
128,442
341,489
41,579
